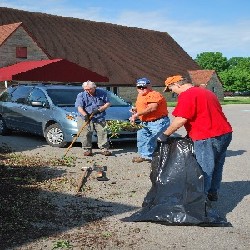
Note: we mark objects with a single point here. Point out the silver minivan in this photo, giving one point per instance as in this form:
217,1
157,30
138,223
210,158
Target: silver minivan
49,110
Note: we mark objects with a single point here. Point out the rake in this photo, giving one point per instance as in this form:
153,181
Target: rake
78,134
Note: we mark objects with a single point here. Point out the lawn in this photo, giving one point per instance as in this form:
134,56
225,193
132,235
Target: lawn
227,100
236,100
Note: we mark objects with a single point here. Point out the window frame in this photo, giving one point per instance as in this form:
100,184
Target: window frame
21,52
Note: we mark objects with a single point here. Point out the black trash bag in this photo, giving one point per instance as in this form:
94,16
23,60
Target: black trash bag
177,194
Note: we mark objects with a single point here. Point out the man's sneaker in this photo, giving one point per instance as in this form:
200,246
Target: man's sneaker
140,159
212,196
106,153
88,153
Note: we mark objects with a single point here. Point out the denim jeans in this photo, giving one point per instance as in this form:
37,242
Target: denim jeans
211,154
147,136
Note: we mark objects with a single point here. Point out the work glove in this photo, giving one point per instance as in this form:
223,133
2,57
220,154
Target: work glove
96,111
162,138
86,117
133,110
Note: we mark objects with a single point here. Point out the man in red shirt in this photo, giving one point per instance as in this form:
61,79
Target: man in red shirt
200,112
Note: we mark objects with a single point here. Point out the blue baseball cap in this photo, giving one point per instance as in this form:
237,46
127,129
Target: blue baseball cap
142,82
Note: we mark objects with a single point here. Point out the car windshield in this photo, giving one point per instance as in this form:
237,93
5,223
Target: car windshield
115,100
67,97
63,97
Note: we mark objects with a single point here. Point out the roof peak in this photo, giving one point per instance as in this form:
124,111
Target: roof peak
7,29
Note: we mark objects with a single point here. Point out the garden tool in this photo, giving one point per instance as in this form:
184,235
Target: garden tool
101,175
78,134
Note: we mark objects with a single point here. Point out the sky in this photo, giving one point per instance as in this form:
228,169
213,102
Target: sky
196,25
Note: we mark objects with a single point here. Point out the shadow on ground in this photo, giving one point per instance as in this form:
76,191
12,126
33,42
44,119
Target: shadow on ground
21,141
28,212
231,153
231,194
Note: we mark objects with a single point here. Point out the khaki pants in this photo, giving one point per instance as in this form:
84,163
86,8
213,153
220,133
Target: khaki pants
86,134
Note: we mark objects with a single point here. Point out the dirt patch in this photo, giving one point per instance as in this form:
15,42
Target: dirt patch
41,209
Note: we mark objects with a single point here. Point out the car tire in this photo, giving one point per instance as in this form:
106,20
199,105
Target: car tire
3,128
54,136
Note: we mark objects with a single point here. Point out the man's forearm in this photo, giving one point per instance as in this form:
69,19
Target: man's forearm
82,111
105,106
175,125
151,108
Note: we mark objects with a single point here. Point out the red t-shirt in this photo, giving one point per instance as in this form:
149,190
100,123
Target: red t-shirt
203,112
152,97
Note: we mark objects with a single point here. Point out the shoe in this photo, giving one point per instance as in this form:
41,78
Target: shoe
212,196
88,153
140,159
106,153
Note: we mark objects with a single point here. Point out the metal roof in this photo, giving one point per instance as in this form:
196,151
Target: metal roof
56,70
121,53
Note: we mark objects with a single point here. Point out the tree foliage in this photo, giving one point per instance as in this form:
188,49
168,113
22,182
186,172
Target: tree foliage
236,79
234,73
212,60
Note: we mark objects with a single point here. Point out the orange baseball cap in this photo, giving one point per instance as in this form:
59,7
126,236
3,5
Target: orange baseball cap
172,79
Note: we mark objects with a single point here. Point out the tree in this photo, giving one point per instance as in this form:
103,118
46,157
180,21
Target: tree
236,79
239,62
237,76
234,73
212,60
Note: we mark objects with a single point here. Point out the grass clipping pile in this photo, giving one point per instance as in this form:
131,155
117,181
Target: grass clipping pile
115,126
35,209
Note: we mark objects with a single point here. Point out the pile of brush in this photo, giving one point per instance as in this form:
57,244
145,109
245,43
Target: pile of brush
115,126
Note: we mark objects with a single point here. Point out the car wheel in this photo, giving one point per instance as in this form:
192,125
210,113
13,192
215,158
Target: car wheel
54,136
3,128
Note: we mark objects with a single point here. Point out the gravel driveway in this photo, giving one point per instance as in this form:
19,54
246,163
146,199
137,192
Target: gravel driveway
92,220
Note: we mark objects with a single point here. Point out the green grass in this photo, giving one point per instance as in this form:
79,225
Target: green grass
171,104
227,100
236,100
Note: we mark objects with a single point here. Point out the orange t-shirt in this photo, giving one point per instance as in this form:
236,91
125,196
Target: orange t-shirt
152,97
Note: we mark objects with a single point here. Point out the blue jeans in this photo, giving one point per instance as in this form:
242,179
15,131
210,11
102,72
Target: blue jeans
147,136
211,154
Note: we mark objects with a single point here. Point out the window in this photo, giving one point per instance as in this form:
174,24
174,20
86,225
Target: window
63,97
174,95
116,101
6,95
20,94
21,52
37,95
115,90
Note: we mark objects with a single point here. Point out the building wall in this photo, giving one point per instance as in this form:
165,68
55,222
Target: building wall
215,86
130,93
20,38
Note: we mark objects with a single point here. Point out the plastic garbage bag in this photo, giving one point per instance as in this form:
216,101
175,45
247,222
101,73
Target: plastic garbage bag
177,194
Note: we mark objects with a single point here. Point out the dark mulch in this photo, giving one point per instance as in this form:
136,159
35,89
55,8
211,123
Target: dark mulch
33,206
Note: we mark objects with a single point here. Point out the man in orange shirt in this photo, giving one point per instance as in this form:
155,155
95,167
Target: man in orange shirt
151,109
